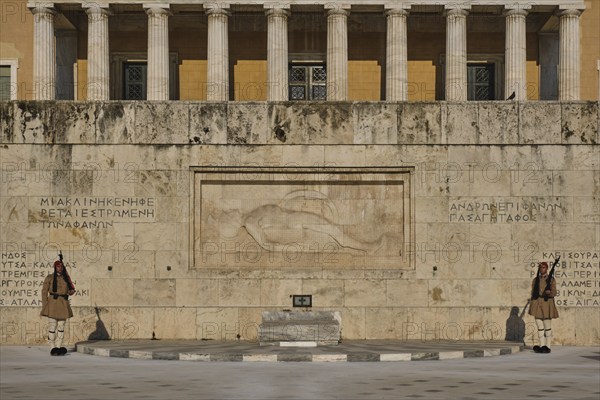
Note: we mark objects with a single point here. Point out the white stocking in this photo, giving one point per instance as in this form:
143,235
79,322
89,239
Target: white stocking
548,331
51,332
541,331
60,333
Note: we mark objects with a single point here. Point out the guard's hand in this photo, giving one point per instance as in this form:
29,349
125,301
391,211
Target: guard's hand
548,292
71,292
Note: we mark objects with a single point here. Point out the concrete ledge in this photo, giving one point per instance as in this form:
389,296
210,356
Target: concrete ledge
350,351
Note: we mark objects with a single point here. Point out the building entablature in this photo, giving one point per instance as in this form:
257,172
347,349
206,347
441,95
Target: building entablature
475,6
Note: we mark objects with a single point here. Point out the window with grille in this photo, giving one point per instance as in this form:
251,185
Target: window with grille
135,81
307,82
480,82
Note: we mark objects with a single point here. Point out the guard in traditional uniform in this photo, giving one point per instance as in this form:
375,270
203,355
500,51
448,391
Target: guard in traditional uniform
542,306
55,305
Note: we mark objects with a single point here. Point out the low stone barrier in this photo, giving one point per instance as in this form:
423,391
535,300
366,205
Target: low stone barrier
283,327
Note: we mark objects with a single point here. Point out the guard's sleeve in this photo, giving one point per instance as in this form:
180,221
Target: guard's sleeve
45,290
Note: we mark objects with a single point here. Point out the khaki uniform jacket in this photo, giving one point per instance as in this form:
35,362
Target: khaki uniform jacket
58,308
541,309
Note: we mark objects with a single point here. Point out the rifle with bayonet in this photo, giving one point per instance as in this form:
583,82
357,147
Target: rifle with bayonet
550,277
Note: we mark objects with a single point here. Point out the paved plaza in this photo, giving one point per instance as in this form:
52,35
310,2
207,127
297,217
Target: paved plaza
29,372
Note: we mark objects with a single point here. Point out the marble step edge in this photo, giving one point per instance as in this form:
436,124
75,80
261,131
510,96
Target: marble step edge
299,357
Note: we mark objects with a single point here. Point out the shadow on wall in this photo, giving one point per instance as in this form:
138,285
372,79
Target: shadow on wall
515,326
100,333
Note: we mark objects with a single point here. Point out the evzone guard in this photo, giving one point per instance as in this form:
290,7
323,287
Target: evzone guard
56,290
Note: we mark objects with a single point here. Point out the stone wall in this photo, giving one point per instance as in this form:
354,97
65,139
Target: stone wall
488,189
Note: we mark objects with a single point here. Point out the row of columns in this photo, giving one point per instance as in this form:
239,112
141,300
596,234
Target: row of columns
277,53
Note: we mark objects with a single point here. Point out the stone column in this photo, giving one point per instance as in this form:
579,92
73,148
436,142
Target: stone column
277,55
568,58
337,54
218,55
158,51
396,80
44,56
98,63
456,54
515,79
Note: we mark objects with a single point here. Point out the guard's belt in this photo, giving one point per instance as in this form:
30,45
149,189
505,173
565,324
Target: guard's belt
56,296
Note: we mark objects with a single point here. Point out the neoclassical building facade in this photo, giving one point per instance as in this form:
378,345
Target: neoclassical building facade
301,50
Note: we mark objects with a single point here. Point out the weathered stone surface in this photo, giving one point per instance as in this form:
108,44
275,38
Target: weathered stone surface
353,323
111,292
420,123
115,122
287,123
364,293
407,293
247,123
175,323
491,292
498,122
375,123
277,292
208,123
448,293
539,122
34,122
154,292
459,123
295,123
239,292
162,122
197,292
217,323
580,123
75,122
6,122
587,325
329,125
325,292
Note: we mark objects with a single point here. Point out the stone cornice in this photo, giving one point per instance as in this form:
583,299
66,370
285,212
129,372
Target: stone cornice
564,4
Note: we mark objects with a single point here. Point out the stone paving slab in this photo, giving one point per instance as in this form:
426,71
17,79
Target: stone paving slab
30,373
348,351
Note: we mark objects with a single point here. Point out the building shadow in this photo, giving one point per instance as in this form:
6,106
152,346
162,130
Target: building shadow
515,326
100,333
595,358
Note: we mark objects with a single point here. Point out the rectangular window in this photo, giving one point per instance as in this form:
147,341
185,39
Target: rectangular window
135,80
307,81
129,76
480,82
5,82
8,79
